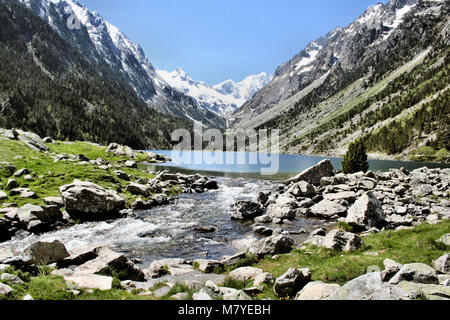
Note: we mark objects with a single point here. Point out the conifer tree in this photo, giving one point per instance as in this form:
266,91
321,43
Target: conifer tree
355,159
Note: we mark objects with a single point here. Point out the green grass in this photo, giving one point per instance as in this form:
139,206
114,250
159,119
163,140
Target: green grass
405,246
48,175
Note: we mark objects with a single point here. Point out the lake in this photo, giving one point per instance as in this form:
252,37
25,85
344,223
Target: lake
288,165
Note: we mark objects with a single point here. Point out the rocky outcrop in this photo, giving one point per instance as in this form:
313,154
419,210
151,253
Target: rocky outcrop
32,140
88,201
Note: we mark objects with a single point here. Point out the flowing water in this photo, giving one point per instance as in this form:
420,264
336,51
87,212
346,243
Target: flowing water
169,231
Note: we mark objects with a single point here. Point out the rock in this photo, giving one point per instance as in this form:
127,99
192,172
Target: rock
21,172
422,190
302,189
244,244
442,264
415,272
276,211
328,209
78,256
247,210
263,219
88,201
369,287
263,278
11,184
349,196
54,201
28,298
235,296
314,174
261,198
159,268
5,289
180,296
445,239
319,232
5,253
390,269
291,282
211,185
425,291
44,216
91,281
21,262
232,260
275,244
317,290
120,150
315,241
47,252
12,279
208,266
245,273
366,212
32,140
202,295
5,233
24,193
3,195
122,175
138,189
109,261
47,140
131,164
342,241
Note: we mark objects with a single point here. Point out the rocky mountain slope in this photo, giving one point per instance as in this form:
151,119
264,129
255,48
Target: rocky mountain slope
48,86
98,40
221,99
323,97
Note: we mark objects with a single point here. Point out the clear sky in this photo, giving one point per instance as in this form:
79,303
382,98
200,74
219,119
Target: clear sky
215,40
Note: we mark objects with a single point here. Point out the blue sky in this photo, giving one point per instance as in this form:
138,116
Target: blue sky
215,40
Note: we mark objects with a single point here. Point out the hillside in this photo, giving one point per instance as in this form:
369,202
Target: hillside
384,69
47,86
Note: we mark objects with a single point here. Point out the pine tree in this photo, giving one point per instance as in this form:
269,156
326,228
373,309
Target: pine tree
355,159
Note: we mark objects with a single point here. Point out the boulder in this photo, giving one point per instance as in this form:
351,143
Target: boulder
415,272
78,256
91,281
247,210
236,296
369,287
342,241
110,262
390,269
29,212
302,189
328,209
366,212
202,295
138,189
120,150
88,201
263,278
159,268
425,291
122,175
280,212
47,252
5,289
54,201
317,290
349,196
10,278
442,264
3,195
208,266
291,282
245,273
445,239
314,174
275,244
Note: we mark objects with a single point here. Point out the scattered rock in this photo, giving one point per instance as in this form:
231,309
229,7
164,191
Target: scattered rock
328,209
314,174
5,289
245,273
415,272
442,264
317,290
366,212
47,252
208,266
275,244
342,241
291,282
91,281
247,210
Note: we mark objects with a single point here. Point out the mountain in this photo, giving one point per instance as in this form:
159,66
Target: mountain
49,85
375,68
221,99
98,40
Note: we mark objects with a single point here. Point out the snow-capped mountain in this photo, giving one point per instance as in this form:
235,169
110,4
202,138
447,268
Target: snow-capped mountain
223,98
341,51
102,42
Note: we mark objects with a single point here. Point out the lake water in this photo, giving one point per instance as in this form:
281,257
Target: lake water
288,165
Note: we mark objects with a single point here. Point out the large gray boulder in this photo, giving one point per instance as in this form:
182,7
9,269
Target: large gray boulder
110,262
369,287
313,174
245,273
366,213
302,189
88,201
415,272
47,252
291,282
120,150
276,244
138,189
91,281
425,291
317,290
342,241
35,218
32,140
5,289
328,209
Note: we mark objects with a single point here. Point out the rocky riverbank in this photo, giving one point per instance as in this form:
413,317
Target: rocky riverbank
394,223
